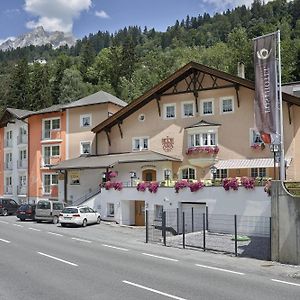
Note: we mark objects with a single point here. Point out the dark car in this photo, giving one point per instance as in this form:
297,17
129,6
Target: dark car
26,211
8,206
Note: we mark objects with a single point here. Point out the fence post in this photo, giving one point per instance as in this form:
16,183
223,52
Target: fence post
164,227
206,210
177,210
183,230
204,220
192,219
270,238
235,236
147,226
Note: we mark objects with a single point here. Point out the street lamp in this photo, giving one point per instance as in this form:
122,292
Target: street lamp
275,148
213,170
132,176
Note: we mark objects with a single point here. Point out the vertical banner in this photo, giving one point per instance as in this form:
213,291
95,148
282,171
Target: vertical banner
266,102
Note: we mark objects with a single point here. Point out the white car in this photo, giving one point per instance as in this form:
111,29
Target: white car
79,215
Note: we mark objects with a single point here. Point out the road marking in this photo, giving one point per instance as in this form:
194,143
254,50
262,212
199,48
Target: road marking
153,290
58,234
18,225
219,269
5,241
4,222
114,247
81,240
34,229
58,259
286,282
160,257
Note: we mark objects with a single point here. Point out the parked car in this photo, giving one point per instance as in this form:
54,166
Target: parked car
26,211
79,215
48,210
8,206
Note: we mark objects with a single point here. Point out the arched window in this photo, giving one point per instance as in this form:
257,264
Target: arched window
188,173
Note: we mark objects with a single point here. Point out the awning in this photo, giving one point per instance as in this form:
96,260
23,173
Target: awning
245,163
109,160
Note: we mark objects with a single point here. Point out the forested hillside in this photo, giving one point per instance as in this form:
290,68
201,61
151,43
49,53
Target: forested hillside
132,60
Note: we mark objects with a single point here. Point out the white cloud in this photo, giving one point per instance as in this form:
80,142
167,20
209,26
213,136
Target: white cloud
102,14
55,14
221,5
9,38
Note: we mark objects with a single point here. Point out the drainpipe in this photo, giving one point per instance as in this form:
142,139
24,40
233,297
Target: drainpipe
66,186
28,157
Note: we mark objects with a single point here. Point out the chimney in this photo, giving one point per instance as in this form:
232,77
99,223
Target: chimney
241,70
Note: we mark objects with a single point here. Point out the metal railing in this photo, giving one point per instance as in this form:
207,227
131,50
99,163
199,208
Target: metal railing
22,164
48,161
22,139
8,165
22,189
8,143
87,196
51,134
8,189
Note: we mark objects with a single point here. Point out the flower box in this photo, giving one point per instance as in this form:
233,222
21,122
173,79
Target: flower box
203,149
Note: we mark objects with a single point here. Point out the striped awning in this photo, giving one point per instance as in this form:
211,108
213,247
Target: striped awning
245,163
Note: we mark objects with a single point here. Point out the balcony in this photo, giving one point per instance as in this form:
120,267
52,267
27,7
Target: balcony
50,190
8,143
22,190
8,165
202,156
8,189
22,139
51,135
22,164
49,161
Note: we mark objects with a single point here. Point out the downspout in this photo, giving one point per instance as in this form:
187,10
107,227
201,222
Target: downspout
28,157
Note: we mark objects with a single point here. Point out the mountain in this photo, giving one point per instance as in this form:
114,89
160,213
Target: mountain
39,37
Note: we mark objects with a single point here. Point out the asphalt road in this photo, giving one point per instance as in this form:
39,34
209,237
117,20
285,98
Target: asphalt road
46,261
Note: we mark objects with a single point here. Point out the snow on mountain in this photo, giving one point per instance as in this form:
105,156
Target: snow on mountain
39,37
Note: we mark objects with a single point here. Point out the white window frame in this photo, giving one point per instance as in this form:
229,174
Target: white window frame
109,212
165,111
81,147
187,167
201,133
202,101
222,99
141,141
81,120
51,146
51,124
182,109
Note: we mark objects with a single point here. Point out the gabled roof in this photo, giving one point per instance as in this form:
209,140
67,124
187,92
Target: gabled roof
203,123
176,77
53,108
13,113
97,98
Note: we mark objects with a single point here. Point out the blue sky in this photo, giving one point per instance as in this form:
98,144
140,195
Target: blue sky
82,17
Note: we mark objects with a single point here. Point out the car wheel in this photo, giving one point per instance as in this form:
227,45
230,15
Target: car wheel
38,221
63,225
98,220
4,212
84,222
22,219
55,220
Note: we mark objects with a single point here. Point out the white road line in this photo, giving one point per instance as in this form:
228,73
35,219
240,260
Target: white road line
58,259
219,269
4,222
34,229
18,225
53,233
160,257
5,241
117,248
286,282
153,290
81,240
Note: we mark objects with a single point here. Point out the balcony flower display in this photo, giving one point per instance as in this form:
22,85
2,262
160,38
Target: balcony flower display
108,185
181,184
118,186
248,183
152,187
196,186
230,183
142,186
203,149
257,146
111,174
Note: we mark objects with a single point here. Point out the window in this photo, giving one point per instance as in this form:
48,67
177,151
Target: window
255,137
49,179
22,180
23,154
139,144
202,139
8,157
170,111
188,173
8,181
227,105
54,179
9,135
85,147
23,131
50,124
167,174
51,151
187,109
258,172
207,107
158,211
110,209
55,124
220,173
58,206
85,121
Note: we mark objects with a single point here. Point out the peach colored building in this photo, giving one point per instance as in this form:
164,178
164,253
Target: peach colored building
196,121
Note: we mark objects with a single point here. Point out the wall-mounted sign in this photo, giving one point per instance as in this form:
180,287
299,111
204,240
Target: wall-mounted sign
167,144
74,177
